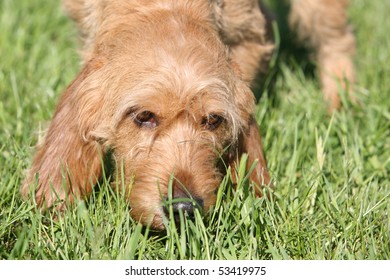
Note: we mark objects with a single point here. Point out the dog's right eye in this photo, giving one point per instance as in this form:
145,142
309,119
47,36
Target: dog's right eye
145,119
212,121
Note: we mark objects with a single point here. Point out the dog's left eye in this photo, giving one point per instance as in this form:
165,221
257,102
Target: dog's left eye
212,121
146,119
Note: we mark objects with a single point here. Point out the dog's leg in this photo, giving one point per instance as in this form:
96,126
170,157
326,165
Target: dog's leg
88,16
67,164
244,27
252,58
322,25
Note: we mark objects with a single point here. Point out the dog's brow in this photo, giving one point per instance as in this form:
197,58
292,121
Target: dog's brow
213,95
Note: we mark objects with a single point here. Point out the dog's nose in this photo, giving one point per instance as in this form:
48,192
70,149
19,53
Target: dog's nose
185,205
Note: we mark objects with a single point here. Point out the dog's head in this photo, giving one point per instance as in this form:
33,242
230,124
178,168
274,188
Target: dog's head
165,97
174,108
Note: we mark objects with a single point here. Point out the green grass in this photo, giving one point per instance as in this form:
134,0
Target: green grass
332,172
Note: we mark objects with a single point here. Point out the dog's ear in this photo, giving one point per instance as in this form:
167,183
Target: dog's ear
249,141
68,162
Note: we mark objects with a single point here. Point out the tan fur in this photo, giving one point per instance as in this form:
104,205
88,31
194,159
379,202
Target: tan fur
184,61
323,26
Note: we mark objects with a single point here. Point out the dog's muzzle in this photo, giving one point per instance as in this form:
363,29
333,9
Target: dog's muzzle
185,205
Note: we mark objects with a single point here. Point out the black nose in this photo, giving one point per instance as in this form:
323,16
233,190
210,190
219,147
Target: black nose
185,205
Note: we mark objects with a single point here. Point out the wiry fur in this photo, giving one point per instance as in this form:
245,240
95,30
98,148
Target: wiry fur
183,61
323,27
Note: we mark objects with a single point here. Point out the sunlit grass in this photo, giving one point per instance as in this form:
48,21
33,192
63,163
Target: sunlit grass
332,172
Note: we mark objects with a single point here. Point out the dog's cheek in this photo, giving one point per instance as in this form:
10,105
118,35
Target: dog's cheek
145,205
136,174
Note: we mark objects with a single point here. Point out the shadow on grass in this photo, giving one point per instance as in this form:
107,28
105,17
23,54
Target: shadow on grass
287,53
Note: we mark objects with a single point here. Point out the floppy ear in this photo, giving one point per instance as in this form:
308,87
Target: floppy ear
249,141
68,162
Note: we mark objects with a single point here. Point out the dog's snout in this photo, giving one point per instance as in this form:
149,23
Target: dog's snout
185,205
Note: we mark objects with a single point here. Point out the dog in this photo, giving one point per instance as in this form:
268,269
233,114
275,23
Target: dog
165,85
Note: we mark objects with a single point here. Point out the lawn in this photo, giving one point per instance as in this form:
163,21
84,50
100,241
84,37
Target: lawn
332,173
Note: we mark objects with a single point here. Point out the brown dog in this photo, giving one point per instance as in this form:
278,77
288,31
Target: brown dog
165,86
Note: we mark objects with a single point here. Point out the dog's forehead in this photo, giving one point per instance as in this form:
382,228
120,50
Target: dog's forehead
169,90
165,81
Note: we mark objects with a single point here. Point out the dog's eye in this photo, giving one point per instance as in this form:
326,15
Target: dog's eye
212,121
146,119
